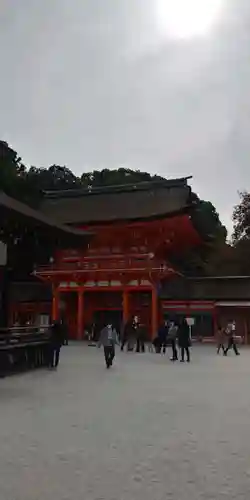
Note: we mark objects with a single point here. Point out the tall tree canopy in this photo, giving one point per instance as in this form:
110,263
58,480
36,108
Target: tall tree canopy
241,219
12,170
202,260
233,259
115,177
28,184
241,234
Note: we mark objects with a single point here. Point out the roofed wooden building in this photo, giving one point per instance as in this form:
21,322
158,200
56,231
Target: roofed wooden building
210,302
136,228
105,254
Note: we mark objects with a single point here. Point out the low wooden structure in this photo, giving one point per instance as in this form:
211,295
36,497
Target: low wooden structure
23,349
210,301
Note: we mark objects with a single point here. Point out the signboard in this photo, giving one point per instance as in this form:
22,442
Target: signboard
190,321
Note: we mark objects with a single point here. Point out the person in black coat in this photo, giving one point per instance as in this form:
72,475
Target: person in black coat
125,334
56,342
140,336
128,335
230,333
184,340
162,336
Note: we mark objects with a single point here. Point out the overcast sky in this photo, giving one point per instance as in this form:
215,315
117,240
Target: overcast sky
106,83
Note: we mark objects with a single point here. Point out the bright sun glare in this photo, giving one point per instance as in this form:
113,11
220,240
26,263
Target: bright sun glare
187,18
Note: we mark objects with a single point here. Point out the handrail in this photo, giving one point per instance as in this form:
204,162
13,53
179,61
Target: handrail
23,349
14,337
119,265
24,329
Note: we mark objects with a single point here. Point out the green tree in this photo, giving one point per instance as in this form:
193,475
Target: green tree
233,258
202,260
55,177
241,234
241,218
106,177
12,170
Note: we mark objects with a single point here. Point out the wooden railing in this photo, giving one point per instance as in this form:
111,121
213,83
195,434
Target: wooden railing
19,336
23,348
124,265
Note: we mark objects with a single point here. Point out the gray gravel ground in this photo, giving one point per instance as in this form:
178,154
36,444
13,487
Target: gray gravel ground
145,430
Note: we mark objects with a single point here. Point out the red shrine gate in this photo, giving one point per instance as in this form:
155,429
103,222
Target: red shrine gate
81,306
119,273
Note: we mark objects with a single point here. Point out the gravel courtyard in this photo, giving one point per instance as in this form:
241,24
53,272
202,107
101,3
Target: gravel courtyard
146,429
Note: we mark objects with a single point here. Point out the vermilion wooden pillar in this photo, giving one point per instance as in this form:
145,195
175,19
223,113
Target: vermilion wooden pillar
125,306
154,322
80,312
55,303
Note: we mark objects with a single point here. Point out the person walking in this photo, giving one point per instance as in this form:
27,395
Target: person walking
184,340
172,336
139,335
230,332
108,339
56,342
162,336
126,334
221,339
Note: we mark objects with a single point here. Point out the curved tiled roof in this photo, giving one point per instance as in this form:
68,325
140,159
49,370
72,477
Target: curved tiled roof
116,203
13,211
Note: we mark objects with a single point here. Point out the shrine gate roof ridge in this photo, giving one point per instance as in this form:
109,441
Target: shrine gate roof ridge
121,188
143,200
